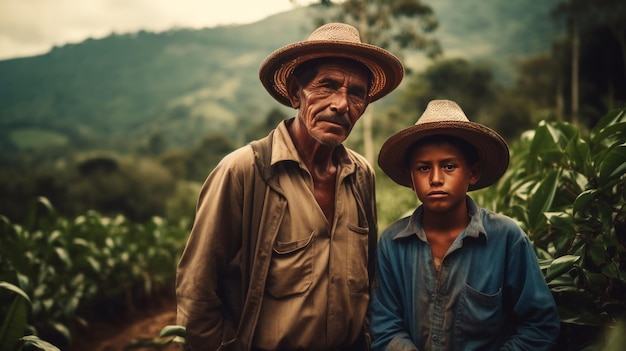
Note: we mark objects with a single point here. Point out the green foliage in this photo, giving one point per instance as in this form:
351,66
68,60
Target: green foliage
566,187
91,265
15,321
392,201
138,187
170,334
394,25
162,91
471,85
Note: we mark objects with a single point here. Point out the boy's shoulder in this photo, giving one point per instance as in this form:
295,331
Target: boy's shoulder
400,225
499,226
496,217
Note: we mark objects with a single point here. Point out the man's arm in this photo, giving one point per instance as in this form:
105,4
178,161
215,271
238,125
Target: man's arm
386,309
214,241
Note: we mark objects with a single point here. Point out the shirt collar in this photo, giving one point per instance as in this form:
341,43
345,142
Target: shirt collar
474,229
283,149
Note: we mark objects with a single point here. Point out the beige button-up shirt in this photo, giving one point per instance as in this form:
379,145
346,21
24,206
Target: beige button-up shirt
315,296
263,269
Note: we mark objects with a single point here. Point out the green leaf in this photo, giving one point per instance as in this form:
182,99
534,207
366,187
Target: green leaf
63,256
15,289
561,265
578,153
543,141
612,117
545,263
54,236
562,221
583,200
579,314
612,271
169,330
15,321
36,342
62,329
613,123
597,253
563,283
541,200
613,165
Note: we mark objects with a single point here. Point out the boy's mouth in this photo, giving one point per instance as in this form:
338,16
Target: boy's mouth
437,194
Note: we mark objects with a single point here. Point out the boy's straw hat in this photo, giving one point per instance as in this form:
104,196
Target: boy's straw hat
445,117
331,40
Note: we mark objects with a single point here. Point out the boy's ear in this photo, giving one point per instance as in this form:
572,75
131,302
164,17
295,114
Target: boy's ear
474,173
293,90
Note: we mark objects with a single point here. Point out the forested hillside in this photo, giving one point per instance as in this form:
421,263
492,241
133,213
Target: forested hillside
158,91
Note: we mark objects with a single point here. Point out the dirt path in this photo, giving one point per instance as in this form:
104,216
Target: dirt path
114,336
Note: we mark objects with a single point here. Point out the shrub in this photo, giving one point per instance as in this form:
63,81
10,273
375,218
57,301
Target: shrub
70,268
566,187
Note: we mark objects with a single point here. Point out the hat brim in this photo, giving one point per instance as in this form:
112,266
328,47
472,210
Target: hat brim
387,70
492,150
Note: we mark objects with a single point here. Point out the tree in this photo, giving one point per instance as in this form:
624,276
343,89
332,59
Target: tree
593,68
470,85
271,120
395,25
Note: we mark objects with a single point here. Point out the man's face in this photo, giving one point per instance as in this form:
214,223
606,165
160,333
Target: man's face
331,103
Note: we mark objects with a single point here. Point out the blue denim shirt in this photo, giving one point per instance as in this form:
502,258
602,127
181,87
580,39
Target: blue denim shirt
489,294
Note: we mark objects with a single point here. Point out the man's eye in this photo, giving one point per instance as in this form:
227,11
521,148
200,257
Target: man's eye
330,85
358,93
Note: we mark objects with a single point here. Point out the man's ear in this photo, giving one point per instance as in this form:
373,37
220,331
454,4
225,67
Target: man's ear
293,90
474,173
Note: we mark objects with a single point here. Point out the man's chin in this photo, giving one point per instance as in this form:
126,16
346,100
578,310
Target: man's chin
331,140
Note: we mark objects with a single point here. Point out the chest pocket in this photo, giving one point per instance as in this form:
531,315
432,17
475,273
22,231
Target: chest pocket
357,255
479,314
291,269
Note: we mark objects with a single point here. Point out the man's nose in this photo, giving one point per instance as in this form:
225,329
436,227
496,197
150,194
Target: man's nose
340,101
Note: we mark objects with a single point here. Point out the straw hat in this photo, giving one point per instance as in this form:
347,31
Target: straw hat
331,40
445,117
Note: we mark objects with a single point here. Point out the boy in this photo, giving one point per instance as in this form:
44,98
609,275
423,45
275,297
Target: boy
453,276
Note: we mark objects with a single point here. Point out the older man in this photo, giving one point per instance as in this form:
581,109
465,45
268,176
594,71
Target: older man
281,253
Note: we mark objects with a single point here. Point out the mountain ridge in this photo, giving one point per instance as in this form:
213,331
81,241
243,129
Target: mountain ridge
184,84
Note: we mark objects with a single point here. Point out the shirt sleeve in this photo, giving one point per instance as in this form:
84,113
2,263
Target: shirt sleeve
533,303
385,311
212,246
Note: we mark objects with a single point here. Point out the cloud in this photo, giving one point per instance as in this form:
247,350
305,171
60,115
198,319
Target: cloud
31,27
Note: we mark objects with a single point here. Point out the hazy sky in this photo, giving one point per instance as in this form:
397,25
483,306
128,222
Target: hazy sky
32,27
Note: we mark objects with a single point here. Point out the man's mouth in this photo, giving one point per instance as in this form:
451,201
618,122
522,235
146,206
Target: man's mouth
338,121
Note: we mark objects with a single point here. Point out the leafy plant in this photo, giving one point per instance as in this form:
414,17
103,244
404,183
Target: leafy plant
169,335
567,189
14,324
91,265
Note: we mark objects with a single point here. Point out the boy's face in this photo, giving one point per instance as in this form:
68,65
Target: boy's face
441,176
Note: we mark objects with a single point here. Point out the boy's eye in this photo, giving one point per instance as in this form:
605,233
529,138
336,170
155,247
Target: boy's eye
423,168
449,167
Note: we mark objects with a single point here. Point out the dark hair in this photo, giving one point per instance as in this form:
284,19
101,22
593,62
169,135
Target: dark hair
306,71
467,149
